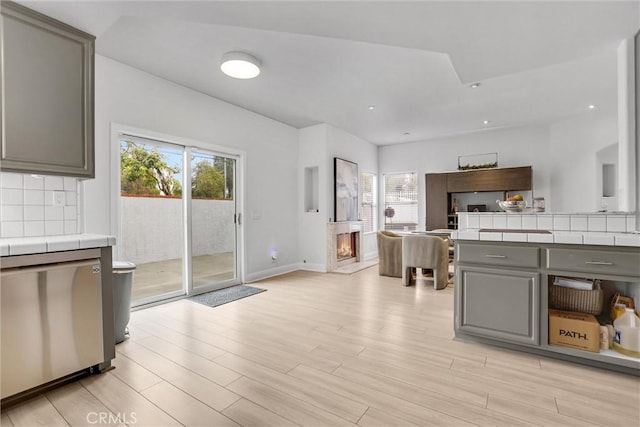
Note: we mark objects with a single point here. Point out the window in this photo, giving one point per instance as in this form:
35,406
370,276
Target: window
368,206
401,201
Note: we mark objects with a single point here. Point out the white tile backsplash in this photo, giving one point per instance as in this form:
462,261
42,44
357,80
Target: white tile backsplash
486,221
70,227
612,229
562,222
579,223
11,196
34,197
597,223
529,222
70,184
54,228
499,221
70,213
70,198
12,229
10,180
33,228
473,221
53,183
34,213
616,223
514,222
12,212
33,182
54,213
545,222
27,211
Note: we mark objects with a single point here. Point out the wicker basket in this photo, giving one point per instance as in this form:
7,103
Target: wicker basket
584,301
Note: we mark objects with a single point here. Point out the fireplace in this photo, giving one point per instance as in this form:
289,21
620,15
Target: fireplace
345,243
346,247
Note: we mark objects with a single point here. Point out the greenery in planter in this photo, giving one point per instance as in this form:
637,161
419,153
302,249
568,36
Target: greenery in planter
483,166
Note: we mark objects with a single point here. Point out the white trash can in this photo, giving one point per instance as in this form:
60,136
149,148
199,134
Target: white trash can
122,280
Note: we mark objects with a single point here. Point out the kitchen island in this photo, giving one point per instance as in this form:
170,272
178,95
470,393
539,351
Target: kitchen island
503,277
57,311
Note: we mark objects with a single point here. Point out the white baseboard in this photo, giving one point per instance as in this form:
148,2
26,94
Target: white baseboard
265,274
319,268
370,255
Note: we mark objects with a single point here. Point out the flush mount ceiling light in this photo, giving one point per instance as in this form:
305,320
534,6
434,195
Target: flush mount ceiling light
240,65
591,107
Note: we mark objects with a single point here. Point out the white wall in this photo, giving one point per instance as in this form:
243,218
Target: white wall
573,165
521,146
319,144
128,96
365,154
312,233
637,67
607,156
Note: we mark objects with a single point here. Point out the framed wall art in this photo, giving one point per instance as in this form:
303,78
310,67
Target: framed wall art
346,190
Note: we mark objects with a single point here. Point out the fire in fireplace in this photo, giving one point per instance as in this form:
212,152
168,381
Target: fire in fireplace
346,246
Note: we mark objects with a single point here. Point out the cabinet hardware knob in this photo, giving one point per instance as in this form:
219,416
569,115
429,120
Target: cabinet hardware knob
598,263
496,256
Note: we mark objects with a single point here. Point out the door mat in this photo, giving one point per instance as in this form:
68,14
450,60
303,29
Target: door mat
223,296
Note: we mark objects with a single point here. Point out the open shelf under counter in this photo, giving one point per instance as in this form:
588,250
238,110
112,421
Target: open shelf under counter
491,275
609,357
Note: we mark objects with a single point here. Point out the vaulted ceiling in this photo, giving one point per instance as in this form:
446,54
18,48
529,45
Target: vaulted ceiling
327,62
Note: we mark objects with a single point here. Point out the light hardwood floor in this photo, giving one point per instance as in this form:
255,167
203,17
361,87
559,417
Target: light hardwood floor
328,350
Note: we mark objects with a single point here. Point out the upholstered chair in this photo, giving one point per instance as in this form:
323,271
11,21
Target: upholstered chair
389,254
425,252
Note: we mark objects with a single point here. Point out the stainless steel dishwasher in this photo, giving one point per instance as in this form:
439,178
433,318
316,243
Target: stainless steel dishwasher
51,322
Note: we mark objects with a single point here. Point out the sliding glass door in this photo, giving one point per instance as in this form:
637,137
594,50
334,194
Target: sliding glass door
213,221
178,218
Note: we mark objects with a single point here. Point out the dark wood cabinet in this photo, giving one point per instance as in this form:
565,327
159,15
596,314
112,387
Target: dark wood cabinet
436,201
506,179
440,186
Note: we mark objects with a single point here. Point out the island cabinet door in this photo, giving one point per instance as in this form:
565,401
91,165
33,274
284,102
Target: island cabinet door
499,304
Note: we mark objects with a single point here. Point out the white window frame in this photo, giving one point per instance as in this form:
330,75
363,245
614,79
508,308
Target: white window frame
374,201
384,225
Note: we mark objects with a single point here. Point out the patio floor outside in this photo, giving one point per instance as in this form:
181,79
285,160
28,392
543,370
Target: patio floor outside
157,278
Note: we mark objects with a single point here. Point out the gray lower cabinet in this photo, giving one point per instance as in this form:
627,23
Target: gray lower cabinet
501,305
502,293
47,106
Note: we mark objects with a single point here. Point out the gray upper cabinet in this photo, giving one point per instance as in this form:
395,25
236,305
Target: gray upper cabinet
47,95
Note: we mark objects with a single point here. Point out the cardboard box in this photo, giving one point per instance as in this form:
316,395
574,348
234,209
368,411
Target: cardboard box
575,330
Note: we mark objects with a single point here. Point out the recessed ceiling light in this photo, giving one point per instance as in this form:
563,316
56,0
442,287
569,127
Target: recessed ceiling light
475,85
407,133
371,107
240,65
486,122
591,107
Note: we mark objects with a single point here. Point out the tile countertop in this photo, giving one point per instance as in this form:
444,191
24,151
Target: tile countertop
43,244
555,236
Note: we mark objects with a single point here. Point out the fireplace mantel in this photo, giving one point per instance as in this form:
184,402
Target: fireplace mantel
342,227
